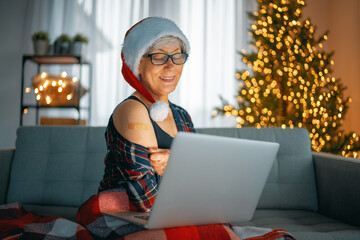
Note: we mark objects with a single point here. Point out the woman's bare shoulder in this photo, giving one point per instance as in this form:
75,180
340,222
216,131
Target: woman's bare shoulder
131,110
132,121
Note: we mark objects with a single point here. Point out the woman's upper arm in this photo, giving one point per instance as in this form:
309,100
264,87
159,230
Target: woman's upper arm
131,120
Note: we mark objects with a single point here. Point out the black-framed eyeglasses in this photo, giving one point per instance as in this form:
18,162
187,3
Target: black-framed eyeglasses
162,58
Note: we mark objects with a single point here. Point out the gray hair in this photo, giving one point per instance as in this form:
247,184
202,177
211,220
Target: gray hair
167,40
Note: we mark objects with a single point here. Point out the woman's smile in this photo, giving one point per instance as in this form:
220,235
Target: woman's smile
167,78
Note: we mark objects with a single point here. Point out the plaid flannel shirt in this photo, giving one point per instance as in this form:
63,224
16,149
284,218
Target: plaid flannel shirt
127,164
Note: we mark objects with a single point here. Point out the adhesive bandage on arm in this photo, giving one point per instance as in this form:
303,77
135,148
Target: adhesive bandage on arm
138,126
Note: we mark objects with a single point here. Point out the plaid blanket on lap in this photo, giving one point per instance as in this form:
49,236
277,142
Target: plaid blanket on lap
17,223
91,216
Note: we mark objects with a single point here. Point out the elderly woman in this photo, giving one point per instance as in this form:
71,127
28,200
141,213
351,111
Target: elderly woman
141,128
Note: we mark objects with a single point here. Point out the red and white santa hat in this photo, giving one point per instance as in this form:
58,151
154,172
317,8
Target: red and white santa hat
138,40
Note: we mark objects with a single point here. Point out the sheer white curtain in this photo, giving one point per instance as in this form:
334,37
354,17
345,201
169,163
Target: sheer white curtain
212,27
113,18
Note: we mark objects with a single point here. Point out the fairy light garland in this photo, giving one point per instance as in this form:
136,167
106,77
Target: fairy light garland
59,90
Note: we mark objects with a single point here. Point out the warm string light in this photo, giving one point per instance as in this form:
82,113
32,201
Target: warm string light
56,90
288,84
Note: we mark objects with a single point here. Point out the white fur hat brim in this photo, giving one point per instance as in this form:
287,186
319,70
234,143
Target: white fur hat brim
143,35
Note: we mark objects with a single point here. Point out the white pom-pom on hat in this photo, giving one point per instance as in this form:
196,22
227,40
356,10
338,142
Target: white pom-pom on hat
159,110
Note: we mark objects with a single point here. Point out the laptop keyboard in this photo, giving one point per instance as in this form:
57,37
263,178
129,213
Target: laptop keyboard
143,217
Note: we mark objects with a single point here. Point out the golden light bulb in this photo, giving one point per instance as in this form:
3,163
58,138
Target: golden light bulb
63,74
48,99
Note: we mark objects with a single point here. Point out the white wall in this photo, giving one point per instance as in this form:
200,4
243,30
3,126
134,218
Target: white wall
12,16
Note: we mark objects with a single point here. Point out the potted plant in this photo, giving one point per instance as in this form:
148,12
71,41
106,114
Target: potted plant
79,44
62,44
40,42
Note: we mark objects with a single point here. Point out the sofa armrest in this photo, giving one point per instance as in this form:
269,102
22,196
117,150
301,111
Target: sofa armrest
6,157
338,187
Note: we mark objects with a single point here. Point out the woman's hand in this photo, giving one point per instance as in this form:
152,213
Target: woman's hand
158,159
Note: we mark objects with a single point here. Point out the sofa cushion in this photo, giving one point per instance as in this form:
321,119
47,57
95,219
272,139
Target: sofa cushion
304,225
291,183
57,165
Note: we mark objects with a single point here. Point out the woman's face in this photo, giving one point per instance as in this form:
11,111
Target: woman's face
161,80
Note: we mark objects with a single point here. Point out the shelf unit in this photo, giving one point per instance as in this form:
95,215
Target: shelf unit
40,60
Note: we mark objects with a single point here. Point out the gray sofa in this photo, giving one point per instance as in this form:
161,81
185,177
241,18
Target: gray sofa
53,170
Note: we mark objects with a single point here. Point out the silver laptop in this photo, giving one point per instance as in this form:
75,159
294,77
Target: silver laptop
208,179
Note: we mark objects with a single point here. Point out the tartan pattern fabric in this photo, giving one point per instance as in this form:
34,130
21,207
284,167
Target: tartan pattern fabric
91,216
257,233
127,164
182,118
17,223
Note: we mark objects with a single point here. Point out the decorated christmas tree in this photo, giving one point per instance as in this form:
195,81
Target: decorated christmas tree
289,83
